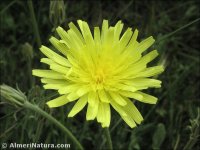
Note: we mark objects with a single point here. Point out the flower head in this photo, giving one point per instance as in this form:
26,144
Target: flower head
100,70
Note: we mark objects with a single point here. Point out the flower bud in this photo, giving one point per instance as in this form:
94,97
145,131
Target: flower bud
12,95
27,51
57,12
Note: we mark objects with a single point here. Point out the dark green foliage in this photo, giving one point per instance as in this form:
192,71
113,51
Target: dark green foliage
166,124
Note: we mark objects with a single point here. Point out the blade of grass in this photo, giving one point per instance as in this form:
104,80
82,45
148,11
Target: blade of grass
177,30
9,5
36,109
34,22
107,134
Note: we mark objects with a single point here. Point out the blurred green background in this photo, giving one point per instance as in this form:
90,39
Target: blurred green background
171,124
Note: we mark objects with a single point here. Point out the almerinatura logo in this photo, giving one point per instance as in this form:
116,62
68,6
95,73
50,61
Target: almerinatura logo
102,70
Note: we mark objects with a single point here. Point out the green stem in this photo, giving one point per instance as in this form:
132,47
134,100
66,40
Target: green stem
35,26
8,6
179,29
116,124
107,134
53,120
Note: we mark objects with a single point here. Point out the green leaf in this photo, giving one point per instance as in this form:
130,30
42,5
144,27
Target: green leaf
159,136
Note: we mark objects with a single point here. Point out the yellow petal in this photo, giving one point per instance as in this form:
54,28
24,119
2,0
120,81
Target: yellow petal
142,82
107,116
103,96
63,48
125,38
83,90
86,32
109,37
47,61
133,112
150,56
151,71
80,104
133,38
72,61
141,64
92,110
145,44
118,108
54,81
119,99
100,114
97,35
92,98
75,41
54,86
129,121
104,31
69,88
146,98
75,29
47,74
57,102
118,30
54,56
131,94
64,36
126,87
73,96
59,68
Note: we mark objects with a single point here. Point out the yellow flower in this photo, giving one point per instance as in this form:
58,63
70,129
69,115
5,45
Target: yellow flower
100,70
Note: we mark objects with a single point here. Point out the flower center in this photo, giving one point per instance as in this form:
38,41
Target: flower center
99,77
